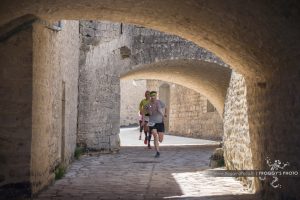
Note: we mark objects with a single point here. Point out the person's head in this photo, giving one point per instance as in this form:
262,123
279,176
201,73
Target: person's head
153,95
147,94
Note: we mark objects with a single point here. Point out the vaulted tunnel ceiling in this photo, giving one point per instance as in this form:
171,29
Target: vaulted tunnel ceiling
209,79
256,38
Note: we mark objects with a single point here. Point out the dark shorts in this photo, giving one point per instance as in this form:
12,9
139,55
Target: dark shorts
160,127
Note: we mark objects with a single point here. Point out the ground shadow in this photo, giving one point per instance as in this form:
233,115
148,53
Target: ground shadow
134,173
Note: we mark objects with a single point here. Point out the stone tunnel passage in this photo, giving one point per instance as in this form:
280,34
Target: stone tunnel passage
134,173
259,39
210,79
197,117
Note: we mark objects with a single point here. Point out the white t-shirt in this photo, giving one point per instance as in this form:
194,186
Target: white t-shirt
155,109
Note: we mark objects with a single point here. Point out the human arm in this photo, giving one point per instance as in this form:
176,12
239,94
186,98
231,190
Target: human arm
160,107
143,117
141,107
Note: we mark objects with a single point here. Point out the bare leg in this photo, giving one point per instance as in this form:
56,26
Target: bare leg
160,136
155,135
146,130
141,129
149,139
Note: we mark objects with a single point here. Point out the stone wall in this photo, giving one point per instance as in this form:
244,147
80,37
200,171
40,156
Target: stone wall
99,85
237,146
259,40
151,46
132,92
54,104
108,50
188,115
273,110
16,111
39,78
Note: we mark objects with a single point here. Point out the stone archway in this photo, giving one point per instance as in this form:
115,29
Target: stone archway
258,39
210,79
211,28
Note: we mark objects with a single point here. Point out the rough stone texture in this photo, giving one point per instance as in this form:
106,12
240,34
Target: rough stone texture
188,114
207,78
132,92
151,46
103,60
240,37
259,39
99,33
15,110
54,104
99,86
39,108
273,110
156,54
237,144
188,111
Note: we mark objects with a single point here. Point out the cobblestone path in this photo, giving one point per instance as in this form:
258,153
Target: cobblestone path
134,173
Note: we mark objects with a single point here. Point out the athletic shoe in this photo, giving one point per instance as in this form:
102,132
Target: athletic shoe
157,154
145,141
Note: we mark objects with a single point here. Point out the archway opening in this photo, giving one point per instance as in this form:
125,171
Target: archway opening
270,74
98,94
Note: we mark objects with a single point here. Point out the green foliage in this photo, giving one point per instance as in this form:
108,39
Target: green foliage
78,152
221,162
219,159
60,172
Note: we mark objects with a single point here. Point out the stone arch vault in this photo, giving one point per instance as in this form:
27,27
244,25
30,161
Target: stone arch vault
209,79
259,39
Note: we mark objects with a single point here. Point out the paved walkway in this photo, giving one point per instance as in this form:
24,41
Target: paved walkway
129,137
134,173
